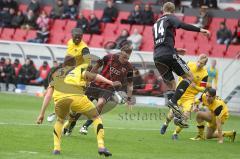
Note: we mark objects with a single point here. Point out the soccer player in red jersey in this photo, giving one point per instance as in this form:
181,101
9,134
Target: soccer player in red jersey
114,67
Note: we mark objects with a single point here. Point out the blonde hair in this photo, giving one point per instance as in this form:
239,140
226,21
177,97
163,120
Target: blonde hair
169,7
203,58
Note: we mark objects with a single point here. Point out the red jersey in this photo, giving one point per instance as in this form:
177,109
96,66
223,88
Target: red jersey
114,70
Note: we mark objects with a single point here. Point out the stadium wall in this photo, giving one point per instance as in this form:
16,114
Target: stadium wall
229,69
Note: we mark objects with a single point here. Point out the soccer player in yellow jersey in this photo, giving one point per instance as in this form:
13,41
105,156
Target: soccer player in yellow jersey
68,88
77,48
186,102
215,116
213,75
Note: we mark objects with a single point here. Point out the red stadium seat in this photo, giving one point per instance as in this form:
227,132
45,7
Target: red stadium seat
147,31
57,38
67,37
204,49
23,7
140,28
110,29
70,25
218,50
233,51
179,33
47,9
231,24
215,23
96,41
191,48
31,34
123,26
58,25
190,19
87,13
109,39
7,34
98,14
179,44
122,15
86,38
20,35
189,36
201,39
147,44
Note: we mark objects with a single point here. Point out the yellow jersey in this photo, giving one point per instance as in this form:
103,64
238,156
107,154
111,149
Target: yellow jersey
218,107
199,76
68,81
78,51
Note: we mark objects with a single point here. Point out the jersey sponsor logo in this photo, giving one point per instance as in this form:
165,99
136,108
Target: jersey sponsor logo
115,71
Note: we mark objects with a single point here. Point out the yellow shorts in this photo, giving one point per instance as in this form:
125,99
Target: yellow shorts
78,104
213,124
186,104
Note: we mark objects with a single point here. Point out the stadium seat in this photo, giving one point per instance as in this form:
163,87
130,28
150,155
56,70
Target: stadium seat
67,37
140,28
31,34
179,33
7,33
56,38
47,9
191,48
122,15
179,44
20,35
201,39
23,8
204,49
121,27
233,51
231,24
190,19
109,39
110,29
86,38
86,13
216,23
147,31
70,25
96,41
58,25
1,29
189,37
147,44
218,50
98,14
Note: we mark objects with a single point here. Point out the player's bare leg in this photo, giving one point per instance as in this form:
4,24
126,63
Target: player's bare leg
168,120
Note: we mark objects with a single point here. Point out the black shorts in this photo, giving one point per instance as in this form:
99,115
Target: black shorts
95,92
168,63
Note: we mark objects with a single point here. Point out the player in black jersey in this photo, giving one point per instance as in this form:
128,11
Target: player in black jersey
166,57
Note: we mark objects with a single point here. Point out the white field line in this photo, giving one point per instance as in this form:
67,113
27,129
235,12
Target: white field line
49,125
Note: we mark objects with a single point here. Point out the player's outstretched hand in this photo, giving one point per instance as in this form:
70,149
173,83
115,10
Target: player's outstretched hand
205,32
181,51
117,84
40,119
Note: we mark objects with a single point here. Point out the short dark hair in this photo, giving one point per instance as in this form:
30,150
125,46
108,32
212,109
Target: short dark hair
127,48
77,31
211,91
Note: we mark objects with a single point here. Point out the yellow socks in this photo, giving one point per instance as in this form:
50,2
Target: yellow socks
98,128
57,135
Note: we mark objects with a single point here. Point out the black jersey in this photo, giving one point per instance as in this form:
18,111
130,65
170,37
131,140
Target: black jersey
164,31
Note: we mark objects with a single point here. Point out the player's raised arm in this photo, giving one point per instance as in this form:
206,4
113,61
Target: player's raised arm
93,76
47,99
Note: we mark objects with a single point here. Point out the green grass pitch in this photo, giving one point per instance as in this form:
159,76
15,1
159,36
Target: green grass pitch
128,135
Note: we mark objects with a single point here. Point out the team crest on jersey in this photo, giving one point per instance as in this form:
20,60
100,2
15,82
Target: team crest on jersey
124,69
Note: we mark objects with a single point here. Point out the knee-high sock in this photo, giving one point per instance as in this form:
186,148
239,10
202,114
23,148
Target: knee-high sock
227,133
57,132
88,123
177,130
98,128
168,120
201,127
181,88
